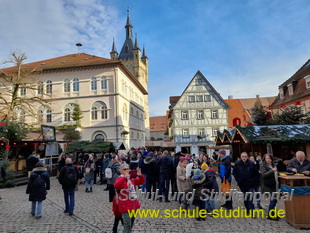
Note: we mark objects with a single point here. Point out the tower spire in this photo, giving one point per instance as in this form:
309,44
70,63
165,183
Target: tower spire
128,26
113,53
136,43
113,47
144,52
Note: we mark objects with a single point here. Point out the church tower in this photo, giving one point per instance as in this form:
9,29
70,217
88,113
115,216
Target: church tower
131,57
137,64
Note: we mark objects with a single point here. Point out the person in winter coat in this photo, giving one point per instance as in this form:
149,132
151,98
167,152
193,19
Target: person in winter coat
299,164
245,173
225,173
184,184
149,168
210,184
105,163
269,180
165,168
31,162
89,173
198,184
39,182
114,165
68,178
257,180
126,194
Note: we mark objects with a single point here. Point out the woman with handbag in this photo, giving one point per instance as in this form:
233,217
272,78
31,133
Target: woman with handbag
269,175
89,173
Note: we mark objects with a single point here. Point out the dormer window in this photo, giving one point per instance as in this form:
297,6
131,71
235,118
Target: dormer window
290,89
307,80
281,92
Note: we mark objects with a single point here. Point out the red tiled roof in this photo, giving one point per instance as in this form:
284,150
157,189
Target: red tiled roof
67,61
174,99
158,123
77,60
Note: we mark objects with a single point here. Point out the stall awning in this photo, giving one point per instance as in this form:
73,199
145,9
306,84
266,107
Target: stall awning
119,146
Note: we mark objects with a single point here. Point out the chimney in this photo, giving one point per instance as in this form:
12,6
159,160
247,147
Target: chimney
230,97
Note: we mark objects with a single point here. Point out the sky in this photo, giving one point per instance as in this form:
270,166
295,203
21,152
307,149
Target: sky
244,48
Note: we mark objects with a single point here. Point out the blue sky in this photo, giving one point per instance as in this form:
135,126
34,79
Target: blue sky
243,47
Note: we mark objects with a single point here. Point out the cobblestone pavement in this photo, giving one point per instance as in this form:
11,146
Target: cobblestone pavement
93,214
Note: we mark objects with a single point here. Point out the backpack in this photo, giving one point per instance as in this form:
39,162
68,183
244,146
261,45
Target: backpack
108,173
38,182
70,177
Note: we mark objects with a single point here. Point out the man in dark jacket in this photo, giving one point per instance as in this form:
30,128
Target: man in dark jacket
68,178
299,164
245,173
31,162
39,182
165,168
225,173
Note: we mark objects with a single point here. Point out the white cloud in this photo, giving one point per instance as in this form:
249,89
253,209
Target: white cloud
46,29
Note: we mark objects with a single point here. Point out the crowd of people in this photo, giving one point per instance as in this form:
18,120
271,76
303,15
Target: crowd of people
165,172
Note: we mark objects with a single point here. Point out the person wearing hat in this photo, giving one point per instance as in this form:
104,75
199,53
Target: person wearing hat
199,180
225,173
183,183
210,184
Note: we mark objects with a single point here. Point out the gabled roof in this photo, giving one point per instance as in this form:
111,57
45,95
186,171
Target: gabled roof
77,60
212,92
158,123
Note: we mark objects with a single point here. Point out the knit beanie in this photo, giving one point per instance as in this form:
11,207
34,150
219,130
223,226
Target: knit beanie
204,166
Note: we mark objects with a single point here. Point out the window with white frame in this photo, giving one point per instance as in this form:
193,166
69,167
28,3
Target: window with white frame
184,115
199,98
22,91
185,133
214,114
290,89
40,88
281,93
99,110
207,98
48,116
200,115
104,83
94,113
104,112
76,85
307,80
214,131
201,132
191,98
67,86
67,115
93,84
49,87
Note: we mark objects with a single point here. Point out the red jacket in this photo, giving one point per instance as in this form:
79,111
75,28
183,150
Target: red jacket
124,202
